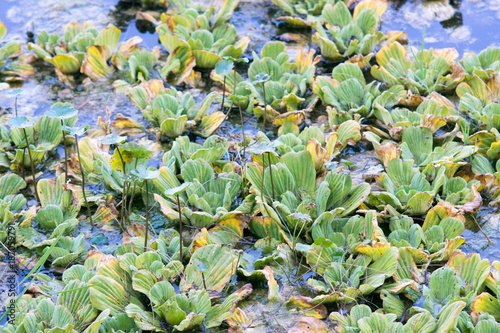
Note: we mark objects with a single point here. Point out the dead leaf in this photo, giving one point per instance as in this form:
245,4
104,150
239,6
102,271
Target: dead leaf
473,206
309,325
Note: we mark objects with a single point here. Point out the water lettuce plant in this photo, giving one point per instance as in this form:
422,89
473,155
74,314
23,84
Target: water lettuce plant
296,11
278,87
429,71
409,191
196,36
14,65
350,97
174,113
358,214
83,48
209,195
352,36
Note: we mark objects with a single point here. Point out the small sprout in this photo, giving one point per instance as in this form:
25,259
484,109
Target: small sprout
112,139
233,59
302,217
137,152
260,147
63,111
176,191
347,163
202,266
145,174
80,131
75,130
263,78
23,123
224,67
15,92
240,99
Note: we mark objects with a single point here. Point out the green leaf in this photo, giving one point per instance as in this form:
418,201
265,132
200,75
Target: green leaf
146,174
222,265
178,190
261,78
139,151
10,184
21,122
224,67
15,92
80,131
112,139
67,63
62,111
107,293
238,98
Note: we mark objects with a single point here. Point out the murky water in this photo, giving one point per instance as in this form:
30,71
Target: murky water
465,25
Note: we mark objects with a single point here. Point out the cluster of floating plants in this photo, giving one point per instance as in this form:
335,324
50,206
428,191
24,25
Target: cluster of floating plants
338,252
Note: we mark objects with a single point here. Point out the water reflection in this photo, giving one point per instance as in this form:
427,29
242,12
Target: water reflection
466,25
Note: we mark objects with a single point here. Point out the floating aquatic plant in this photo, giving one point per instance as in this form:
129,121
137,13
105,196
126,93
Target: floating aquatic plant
276,84
350,97
80,131
197,37
145,174
308,204
224,67
350,36
210,194
14,65
23,123
61,112
297,9
83,48
429,71
174,112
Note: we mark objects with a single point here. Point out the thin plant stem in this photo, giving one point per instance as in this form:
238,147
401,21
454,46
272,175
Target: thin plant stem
263,173
147,217
270,171
204,283
223,94
242,128
124,199
265,105
133,192
22,165
481,229
180,228
15,105
83,183
65,152
234,83
234,93
32,166
233,279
